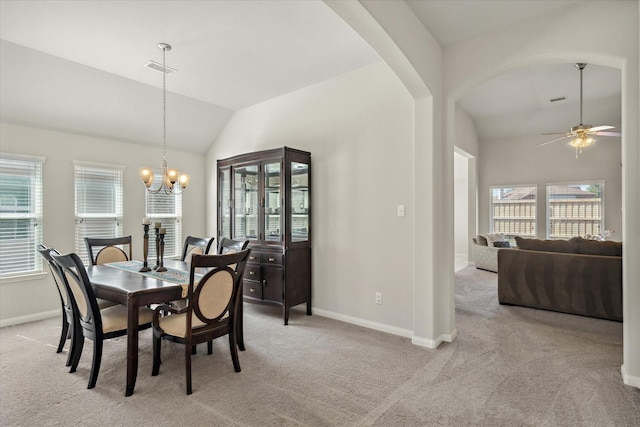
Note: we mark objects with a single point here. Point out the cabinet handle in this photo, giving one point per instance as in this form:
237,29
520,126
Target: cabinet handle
252,257
252,290
251,273
264,283
272,259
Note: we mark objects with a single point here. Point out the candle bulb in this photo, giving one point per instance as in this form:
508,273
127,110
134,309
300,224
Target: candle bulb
157,225
146,221
162,231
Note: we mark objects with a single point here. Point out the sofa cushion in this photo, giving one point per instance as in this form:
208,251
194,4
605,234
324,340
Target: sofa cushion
563,246
481,240
595,247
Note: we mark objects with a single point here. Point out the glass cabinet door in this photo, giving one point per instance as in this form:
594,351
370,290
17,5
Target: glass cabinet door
299,202
272,198
246,204
225,203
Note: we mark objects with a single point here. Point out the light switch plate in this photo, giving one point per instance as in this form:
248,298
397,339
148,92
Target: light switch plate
400,211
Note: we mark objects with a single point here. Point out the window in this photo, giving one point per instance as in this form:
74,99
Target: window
166,209
575,209
20,214
98,194
513,210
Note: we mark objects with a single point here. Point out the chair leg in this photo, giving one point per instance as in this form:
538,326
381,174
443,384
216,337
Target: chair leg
77,349
194,349
63,334
210,347
234,351
95,366
187,364
157,344
73,346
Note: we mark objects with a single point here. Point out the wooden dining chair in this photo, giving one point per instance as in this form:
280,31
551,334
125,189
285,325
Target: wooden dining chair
230,245
226,246
109,249
210,312
69,320
97,325
195,246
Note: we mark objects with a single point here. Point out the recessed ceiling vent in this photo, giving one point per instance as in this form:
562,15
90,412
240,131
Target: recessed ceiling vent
159,67
562,98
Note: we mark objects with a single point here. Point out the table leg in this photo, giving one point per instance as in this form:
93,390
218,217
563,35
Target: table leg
132,344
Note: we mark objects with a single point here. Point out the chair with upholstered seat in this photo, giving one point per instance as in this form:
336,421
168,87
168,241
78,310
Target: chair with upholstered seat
226,246
211,310
109,249
195,246
68,319
97,324
230,245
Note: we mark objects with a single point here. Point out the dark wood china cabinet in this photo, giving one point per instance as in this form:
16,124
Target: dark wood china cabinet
265,197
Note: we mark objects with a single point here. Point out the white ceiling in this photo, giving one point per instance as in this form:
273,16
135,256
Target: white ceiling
79,65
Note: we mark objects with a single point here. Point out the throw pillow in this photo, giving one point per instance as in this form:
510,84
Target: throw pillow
482,241
494,237
501,244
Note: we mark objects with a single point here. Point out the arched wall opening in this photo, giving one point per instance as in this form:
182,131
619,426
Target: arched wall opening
631,346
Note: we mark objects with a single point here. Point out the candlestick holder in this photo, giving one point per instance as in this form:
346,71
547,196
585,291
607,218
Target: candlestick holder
145,248
157,228
161,266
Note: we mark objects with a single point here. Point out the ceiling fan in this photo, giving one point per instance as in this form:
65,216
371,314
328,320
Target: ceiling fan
582,134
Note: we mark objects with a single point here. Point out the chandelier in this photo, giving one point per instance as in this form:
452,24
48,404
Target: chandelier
170,176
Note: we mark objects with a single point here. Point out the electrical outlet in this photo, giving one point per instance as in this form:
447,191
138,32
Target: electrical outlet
400,209
378,297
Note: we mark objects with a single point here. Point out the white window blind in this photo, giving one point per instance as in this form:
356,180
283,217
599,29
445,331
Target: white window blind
98,203
166,209
575,209
20,214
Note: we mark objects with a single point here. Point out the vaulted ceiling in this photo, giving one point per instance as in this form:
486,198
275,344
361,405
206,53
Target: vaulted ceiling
80,66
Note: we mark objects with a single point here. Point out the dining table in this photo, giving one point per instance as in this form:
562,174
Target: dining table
124,284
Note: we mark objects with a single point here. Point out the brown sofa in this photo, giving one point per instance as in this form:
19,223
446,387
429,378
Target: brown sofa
575,276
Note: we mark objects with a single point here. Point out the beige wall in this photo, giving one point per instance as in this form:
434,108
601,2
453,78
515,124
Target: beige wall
358,129
34,299
519,161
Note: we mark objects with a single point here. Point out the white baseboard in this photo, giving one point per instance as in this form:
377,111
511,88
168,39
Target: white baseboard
406,333
424,342
631,380
30,318
364,323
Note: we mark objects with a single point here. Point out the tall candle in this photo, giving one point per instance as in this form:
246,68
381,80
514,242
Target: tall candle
162,231
157,225
146,221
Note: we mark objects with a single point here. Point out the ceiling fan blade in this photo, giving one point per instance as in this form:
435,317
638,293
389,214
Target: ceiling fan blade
557,133
553,140
599,128
608,134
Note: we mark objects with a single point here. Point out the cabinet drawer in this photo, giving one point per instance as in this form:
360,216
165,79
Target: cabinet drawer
272,258
252,272
252,289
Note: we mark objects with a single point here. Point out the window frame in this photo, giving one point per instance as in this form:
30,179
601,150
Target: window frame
170,221
97,171
31,167
510,236
550,217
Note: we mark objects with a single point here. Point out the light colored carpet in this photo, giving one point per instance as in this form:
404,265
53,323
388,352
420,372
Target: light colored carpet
509,366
